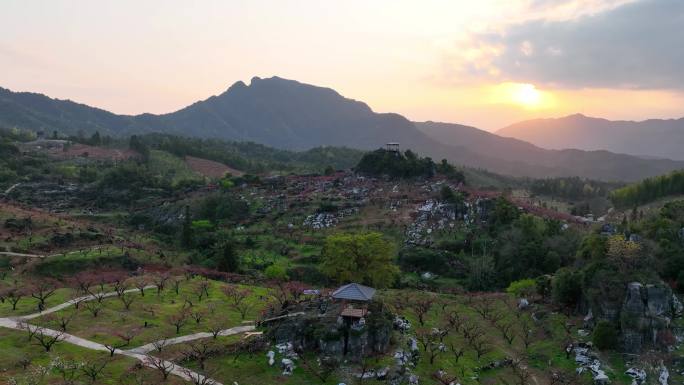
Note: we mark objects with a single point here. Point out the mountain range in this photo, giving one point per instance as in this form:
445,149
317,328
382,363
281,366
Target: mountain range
661,138
291,115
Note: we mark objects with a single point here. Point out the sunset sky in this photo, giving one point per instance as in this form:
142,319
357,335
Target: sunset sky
482,63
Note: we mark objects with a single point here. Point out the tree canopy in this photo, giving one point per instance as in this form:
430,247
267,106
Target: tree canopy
366,258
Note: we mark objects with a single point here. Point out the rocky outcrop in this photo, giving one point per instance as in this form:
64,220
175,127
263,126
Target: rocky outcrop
642,312
646,315
324,331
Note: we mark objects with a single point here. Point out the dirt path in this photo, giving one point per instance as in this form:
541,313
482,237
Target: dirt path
75,301
12,187
11,254
42,256
191,337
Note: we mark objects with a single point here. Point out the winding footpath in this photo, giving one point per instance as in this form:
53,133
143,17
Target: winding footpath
139,353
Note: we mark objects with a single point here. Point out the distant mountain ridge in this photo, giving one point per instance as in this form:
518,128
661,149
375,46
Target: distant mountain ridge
291,115
657,138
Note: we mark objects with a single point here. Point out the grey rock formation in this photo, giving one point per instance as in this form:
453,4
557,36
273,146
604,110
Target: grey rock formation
314,330
645,316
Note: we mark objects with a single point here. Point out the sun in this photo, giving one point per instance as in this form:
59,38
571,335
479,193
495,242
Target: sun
526,95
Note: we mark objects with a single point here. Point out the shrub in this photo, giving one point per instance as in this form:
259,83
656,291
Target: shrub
522,288
276,271
604,336
567,287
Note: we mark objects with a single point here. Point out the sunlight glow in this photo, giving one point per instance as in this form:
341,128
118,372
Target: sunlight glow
522,95
526,95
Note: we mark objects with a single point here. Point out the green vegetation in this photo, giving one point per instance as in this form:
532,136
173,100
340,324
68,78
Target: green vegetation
255,158
605,336
366,258
231,247
649,190
395,164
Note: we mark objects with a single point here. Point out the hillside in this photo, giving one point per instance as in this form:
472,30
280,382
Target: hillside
649,138
515,157
290,115
649,190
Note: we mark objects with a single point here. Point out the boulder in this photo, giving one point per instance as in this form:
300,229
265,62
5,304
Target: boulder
638,375
288,366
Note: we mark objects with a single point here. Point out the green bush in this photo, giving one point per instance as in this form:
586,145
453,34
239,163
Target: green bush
604,336
276,271
522,288
566,288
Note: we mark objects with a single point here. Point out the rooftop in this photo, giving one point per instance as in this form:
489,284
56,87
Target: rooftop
354,292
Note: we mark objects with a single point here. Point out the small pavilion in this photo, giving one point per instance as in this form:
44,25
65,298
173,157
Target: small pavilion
355,296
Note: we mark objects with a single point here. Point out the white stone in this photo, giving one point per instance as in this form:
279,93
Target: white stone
288,366
664,375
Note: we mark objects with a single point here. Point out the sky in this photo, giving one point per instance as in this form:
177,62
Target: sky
486,63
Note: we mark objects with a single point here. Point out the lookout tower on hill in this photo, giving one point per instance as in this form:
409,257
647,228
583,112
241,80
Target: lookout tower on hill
392,147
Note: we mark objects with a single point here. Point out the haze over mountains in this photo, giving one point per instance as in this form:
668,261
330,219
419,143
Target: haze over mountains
652,138
288,114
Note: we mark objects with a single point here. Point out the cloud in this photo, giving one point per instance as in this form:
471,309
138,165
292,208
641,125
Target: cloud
637,45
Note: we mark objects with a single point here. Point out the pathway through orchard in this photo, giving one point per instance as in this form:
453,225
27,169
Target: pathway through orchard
139,353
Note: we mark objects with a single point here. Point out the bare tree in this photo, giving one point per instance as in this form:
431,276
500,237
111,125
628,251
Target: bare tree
456,352
237,299
484,307
140,282
94,307
200,350
471,331
198,289
126,300
454,320
199,379
13,293
204,285
526,333
93,368
421,306
162,366
481,347
83,281
62,319
429,339
120,286
47,339
125,336
160,280
216,326
179,319
42,290
286,292
160,343
30,329
175,284
506,329
197,315
521,373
